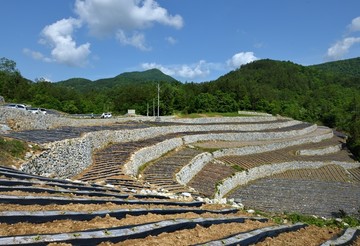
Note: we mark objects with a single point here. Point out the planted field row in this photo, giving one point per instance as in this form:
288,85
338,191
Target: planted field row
108,162
67,132
312,197
205,181
161,172
288,155
327,173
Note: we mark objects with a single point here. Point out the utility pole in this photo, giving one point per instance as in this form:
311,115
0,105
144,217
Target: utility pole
158,106
153,107
147,109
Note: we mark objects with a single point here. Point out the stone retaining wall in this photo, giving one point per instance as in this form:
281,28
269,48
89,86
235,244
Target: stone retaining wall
18,119
190,170
253,113
150,153
65,159
206,120
271,147
242,178
322,151
25,120
193,167
251,136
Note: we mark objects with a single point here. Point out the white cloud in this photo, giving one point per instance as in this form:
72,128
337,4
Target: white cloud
198,70
64,49
171,40
108,17
240,59
115,18
340,48
137,40
355,25
36,55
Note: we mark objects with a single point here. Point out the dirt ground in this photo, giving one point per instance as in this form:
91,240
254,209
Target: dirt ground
311,235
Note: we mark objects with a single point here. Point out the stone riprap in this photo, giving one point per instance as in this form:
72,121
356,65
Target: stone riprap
321,151
193,167
18,120
189,171
205,120
25,120
67,158
253,136
150,153
244,177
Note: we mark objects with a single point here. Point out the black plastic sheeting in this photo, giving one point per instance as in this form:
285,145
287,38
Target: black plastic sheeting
11,217
117,234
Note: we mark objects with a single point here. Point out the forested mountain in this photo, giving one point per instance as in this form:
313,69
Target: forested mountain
349,67
311,94
85,85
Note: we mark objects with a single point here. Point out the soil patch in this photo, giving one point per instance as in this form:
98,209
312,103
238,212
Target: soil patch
60,226
194,236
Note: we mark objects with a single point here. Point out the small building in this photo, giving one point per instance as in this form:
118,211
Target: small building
131,112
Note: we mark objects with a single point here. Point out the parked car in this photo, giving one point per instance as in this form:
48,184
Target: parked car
17,106
37,110
106,115
42,111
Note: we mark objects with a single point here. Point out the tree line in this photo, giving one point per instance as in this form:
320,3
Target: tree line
304,93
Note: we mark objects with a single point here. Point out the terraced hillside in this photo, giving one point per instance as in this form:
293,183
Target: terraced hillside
181,182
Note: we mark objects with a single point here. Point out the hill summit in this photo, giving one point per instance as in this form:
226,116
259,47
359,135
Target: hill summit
151,75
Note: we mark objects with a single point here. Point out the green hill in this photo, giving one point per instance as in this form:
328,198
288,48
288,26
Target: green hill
127,78
349,67
148,75
76,83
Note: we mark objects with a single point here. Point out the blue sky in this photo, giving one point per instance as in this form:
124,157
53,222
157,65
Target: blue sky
190,40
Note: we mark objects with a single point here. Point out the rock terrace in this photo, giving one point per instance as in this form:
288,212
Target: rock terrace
301,168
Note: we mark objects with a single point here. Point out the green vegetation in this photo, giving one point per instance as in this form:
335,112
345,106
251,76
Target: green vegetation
345,67
312,220
10,149
14,147
327,94
237,168
351,221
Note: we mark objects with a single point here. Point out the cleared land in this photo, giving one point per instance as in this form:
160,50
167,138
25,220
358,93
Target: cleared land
39,210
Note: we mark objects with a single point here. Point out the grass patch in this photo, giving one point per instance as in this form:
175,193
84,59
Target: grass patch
13,147
10,150
238,168
312,220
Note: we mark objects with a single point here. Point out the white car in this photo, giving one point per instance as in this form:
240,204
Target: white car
106,115
17,106
37,110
